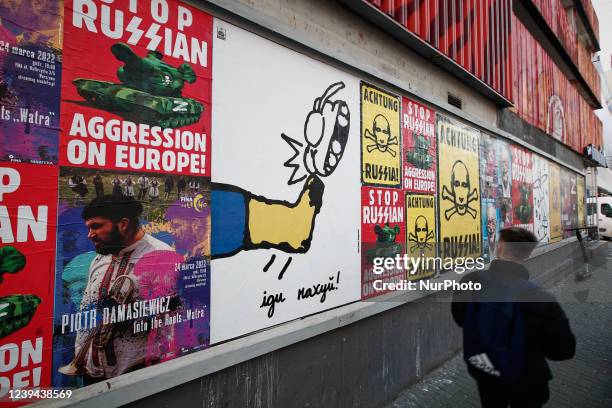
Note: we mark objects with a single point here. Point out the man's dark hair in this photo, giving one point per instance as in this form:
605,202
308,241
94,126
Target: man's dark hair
523,241
114,208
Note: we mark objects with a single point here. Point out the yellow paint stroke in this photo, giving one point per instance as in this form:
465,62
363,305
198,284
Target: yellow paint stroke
277,223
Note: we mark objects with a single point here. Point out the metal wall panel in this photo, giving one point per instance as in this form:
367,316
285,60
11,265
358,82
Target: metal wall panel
546,99
557,19
487,40
473,33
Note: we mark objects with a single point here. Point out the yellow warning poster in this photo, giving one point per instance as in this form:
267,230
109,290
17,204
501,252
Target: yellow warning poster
459,189
421,234
556,232
581,201
381,150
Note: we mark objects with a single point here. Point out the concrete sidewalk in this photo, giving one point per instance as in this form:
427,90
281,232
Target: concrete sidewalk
584,381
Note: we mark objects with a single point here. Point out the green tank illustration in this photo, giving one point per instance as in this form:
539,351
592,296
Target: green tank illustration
419,154
149,92
11,261
523,210
385,243
16,311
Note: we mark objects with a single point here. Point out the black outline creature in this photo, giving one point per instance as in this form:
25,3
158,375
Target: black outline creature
385,141
429,235
324,144
540,213
459,207
326,132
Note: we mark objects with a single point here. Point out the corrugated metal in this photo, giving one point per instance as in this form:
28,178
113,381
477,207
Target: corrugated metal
486,39
557,19
545,98
590,12
473,33
587,69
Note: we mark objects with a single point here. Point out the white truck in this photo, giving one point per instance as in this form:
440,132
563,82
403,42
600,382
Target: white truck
604,216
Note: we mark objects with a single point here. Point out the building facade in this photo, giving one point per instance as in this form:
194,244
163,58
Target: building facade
254,161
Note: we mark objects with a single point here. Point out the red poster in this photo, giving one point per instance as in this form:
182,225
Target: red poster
383,233
418,131
28,198
136,86
522,188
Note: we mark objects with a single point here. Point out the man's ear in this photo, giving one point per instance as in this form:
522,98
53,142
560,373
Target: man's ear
123,225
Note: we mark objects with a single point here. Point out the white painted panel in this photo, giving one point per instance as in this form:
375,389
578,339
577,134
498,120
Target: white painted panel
260,91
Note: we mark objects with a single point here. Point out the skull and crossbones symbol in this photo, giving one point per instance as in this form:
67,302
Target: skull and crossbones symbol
422,235
381,136
460,193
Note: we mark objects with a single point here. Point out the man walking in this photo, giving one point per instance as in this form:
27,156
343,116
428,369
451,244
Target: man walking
510,327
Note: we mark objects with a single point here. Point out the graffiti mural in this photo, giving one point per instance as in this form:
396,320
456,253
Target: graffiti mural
272,232
554,214
541,198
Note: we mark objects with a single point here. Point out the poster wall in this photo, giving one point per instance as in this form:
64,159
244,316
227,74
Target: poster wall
381,139
27,249
132,273
522,188
420,147
491,219
541,199
30,67
285,237
554,216
459,187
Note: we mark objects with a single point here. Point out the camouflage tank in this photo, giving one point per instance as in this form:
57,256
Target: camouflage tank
523,210
16,311
11,261
386,247
149,92
384,250
419,154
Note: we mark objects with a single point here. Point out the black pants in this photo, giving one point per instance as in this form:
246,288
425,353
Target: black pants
494,394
